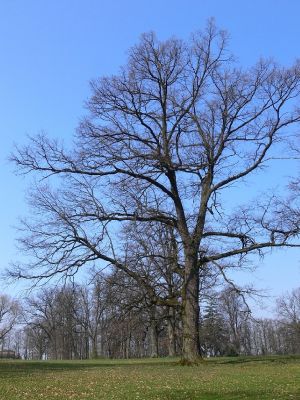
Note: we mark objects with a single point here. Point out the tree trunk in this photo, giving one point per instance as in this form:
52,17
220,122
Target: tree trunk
127,344
95,345
190,314
171,332
153,333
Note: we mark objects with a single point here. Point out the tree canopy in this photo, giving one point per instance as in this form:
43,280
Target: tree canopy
180,124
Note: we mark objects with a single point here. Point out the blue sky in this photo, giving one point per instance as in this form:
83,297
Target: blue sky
51,49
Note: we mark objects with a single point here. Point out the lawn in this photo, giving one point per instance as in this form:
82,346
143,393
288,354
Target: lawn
224,378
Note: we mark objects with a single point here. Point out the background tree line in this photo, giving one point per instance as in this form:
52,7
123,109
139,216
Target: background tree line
100,320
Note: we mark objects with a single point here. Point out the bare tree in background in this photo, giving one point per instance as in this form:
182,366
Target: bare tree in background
10,312
288,310
236,314
179,125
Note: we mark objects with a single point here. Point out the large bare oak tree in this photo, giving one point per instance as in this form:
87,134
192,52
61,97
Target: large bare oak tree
164,138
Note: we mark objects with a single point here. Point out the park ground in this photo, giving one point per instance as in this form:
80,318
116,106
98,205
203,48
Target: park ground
263,378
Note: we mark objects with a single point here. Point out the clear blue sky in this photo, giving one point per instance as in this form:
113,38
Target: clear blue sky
50,50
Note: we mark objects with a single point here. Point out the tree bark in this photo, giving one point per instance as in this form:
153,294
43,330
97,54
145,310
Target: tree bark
171,332
190,314
153,334
94,346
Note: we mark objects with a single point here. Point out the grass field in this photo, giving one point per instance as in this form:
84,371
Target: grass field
224,378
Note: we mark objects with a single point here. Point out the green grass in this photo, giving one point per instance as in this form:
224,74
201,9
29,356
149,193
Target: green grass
263,378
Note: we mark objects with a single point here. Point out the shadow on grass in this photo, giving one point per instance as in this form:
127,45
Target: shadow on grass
27,367
21,366
265,359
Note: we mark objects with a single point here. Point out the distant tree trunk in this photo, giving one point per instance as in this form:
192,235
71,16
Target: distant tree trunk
171,332
87,345
153,333
41,352
128,343
55,346
94,346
